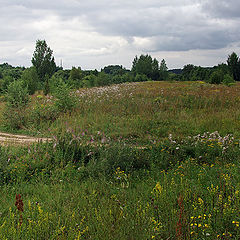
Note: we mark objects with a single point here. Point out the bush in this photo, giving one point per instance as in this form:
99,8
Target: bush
65,100
102,80
17,95
42,111
15,110
88,81
4,83
228,80
31,80
141,78
216,77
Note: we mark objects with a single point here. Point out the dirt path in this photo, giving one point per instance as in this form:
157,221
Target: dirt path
14,139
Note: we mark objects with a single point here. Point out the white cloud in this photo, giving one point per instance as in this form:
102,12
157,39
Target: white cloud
93,33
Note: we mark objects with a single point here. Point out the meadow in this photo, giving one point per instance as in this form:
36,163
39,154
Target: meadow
149,160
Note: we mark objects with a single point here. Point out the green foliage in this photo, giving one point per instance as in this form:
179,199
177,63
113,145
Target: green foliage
141,78
65,99
114,70
88,81
102,79
63,74
43,60
216,77
4,82
185,188
53,82
194,73
234,66
17,95
75,77
31,80
127,77
163,71
42,112
147,66
228,80
15,110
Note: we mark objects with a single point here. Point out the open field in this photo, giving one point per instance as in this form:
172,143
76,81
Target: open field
135,110
150,160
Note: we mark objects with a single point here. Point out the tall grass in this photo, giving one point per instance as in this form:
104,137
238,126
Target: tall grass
135,161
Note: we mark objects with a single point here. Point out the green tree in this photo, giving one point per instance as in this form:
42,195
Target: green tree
114,70
30,80
145,65
187,72
17,95
233,62
43,60
216,77
76,77
163,70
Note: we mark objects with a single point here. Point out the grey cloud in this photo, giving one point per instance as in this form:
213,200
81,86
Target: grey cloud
222,9
157,25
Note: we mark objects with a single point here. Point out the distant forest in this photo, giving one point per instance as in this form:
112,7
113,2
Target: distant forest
45,75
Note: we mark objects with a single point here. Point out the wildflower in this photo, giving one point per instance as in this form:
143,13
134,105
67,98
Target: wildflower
158,187
200,201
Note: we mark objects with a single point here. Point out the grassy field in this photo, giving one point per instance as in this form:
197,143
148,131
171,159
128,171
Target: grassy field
151,160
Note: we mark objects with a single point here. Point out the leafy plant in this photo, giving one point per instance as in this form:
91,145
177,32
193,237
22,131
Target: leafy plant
65,98
16,106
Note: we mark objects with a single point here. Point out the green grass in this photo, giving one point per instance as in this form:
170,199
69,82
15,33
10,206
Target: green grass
114,172
135,109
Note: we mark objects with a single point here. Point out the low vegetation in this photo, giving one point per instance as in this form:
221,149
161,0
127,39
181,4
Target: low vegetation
154,160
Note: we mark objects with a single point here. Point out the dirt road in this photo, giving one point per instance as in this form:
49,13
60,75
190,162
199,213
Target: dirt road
14,139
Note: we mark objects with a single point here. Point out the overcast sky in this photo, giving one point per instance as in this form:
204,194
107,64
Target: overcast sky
92,33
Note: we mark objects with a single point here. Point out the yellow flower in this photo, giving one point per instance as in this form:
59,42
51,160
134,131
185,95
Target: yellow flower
200,201
158,187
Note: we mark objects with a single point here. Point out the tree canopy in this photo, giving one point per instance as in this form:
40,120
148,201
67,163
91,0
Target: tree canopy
234,66
147,66
43,60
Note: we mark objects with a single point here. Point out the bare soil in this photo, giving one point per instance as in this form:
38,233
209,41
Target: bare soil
14,139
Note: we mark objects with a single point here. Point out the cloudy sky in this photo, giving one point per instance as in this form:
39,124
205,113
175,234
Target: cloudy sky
93,33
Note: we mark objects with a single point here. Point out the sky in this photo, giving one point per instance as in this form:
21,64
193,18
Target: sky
93,34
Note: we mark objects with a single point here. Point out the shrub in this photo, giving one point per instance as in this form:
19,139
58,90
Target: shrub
216,77
31,80
17,95
4,83
102,80
42,111
141,78
228,80
66,100
15,110
88,81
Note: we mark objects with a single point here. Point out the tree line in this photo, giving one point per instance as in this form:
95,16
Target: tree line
45,75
